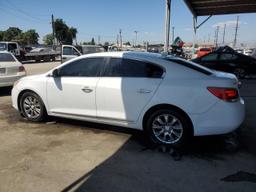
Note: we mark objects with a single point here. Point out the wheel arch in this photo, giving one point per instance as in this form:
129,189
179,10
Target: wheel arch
166,106
25,91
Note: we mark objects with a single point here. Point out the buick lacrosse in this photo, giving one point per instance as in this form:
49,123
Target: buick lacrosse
169,98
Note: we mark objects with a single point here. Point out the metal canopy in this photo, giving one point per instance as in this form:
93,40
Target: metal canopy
220,7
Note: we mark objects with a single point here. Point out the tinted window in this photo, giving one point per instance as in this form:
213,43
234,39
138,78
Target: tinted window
191,65
118,67
89,67
227,57
6,57
134,68
210,57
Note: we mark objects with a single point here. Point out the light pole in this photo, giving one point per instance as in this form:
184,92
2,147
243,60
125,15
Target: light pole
136,33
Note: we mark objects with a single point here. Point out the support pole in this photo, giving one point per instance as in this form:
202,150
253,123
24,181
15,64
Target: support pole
167,25
194,29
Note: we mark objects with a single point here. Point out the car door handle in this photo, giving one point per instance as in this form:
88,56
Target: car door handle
87,90
144,91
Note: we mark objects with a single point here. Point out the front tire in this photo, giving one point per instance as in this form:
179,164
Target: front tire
32,107
168,127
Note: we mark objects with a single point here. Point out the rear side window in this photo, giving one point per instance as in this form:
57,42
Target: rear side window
118,67
89,67
192,65
6,57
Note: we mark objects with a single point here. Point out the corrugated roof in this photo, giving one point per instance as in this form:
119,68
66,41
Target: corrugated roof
220,7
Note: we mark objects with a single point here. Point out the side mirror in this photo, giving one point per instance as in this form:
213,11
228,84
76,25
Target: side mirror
55,73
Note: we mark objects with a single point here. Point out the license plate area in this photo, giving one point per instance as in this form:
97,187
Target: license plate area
2,71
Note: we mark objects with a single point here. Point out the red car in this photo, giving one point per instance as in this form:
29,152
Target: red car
203,51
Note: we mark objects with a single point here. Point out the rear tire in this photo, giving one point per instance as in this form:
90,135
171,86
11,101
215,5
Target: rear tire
32,107
168,127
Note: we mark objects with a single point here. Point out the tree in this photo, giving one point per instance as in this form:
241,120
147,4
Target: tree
11,34
1,35
63,33
48,39
92,41
30,37
73,32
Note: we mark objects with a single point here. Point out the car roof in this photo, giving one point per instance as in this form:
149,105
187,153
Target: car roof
142,55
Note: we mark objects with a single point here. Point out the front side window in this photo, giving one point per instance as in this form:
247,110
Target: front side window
6,57
118,67
69,51
89,67
227,57
210,57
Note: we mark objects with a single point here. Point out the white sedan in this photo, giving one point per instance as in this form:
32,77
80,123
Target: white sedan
169,98
10,69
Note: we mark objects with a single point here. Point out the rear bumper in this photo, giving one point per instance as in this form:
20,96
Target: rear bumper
222,118
6,81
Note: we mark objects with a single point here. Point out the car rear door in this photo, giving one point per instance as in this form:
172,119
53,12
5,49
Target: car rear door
125,88
73,93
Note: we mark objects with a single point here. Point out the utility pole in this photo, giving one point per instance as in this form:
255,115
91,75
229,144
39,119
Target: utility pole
217,36
235,40
173,28
117,40
136,33
121,42
167,26
53,32
224,33
98,39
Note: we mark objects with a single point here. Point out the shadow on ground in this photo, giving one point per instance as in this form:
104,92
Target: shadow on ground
5,91
140,166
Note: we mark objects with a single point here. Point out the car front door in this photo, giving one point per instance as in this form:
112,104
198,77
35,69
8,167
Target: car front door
125,88
69,52
73,91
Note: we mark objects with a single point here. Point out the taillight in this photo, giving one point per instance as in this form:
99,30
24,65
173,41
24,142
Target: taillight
227,94
21,69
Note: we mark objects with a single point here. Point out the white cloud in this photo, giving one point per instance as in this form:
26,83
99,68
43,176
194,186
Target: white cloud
228,23
188,29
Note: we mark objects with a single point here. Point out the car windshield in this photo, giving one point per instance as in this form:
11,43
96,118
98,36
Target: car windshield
191,65
3,47
6,57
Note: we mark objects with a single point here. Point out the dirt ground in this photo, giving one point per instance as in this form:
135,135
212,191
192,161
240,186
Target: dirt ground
65,155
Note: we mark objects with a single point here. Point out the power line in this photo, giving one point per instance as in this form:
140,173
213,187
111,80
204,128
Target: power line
17,9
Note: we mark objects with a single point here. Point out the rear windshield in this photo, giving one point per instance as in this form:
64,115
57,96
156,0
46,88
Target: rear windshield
3,47
6,57
191,65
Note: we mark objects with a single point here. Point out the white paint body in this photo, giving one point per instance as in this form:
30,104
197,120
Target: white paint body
9,71
124,101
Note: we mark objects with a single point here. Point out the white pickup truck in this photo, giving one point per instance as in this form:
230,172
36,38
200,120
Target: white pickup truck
70,52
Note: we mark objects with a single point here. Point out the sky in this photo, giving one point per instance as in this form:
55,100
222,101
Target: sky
104,18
